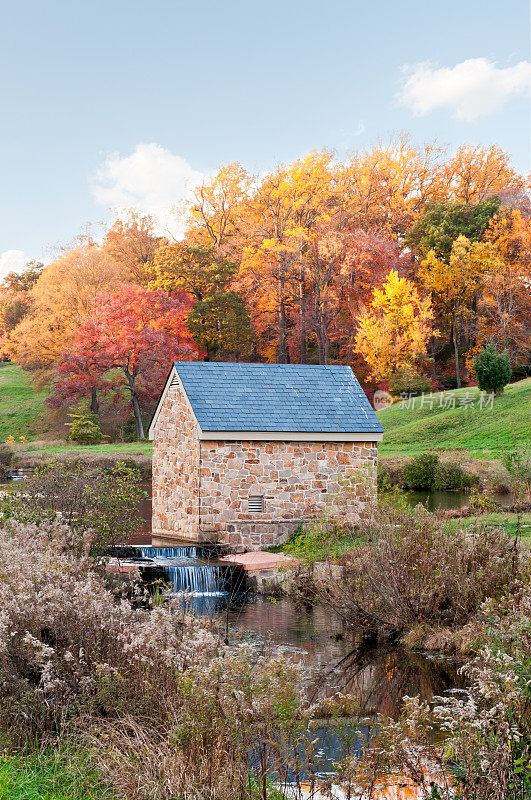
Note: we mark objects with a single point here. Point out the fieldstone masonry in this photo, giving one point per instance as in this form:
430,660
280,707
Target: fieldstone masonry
201,488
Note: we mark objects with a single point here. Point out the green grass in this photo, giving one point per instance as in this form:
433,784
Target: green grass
483,433
22,408
505,520
51,775
146,448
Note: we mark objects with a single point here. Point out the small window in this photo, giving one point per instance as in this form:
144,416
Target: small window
256,504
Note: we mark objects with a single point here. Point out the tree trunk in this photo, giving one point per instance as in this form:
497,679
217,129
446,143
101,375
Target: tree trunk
282,330
324,341
302,325
134,402
138,416
456,354
94,405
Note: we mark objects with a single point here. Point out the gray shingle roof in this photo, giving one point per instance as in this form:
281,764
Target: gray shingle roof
276,397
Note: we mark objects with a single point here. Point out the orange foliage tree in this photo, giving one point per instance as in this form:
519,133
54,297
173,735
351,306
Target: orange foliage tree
61,299
132,242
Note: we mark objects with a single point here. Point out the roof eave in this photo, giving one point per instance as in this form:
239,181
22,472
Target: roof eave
292,436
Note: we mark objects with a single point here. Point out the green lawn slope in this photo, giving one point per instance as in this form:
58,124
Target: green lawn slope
23,413
484,433
22,408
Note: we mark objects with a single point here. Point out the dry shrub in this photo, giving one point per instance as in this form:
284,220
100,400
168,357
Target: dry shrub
243,726
68,647
411,569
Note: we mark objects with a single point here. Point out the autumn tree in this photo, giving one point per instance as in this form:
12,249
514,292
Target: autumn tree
393,332
136,332
504,308
456,282
16,297
215,213
190,268
385,189
220,321
273,274
475,173
442,223
61,299
132,242
221,325
25,280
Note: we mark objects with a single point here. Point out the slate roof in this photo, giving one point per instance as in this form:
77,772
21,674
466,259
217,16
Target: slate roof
276,397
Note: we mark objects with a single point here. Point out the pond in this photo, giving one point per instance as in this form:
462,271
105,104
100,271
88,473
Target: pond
442,500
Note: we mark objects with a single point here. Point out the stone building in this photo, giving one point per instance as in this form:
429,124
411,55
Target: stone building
245,453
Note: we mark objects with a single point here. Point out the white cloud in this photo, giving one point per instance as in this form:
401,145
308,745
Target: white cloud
151,179
360,129
472,89
12,261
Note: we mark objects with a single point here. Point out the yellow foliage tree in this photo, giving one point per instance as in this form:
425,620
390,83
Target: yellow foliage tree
215,212
476,172
456,283
133,243
278,219
393,333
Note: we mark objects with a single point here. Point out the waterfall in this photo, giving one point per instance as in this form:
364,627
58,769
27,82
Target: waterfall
200,578
168,552
189,569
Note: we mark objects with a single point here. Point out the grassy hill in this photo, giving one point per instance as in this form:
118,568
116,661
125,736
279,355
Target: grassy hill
485,433
22,409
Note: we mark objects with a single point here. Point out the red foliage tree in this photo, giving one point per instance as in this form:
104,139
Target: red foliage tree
133,331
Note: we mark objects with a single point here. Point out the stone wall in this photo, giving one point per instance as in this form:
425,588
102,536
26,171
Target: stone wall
201,489
296,479
176,456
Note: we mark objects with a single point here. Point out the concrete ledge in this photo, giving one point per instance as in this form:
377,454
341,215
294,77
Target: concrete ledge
260,560
267,573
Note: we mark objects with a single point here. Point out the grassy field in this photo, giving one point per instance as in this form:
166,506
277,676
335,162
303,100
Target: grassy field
23,413
22,409
505,520
483,432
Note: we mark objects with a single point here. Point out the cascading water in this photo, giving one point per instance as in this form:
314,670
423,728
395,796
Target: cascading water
201,579
167,552
193,569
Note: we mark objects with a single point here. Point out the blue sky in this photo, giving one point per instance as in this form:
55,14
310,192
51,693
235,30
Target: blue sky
108,103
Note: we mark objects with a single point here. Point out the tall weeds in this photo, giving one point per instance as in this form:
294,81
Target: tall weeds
411,569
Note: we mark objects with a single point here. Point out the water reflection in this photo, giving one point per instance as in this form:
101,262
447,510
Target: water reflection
440,500
378,677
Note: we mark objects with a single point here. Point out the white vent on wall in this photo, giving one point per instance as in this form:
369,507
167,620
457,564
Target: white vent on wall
256,504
